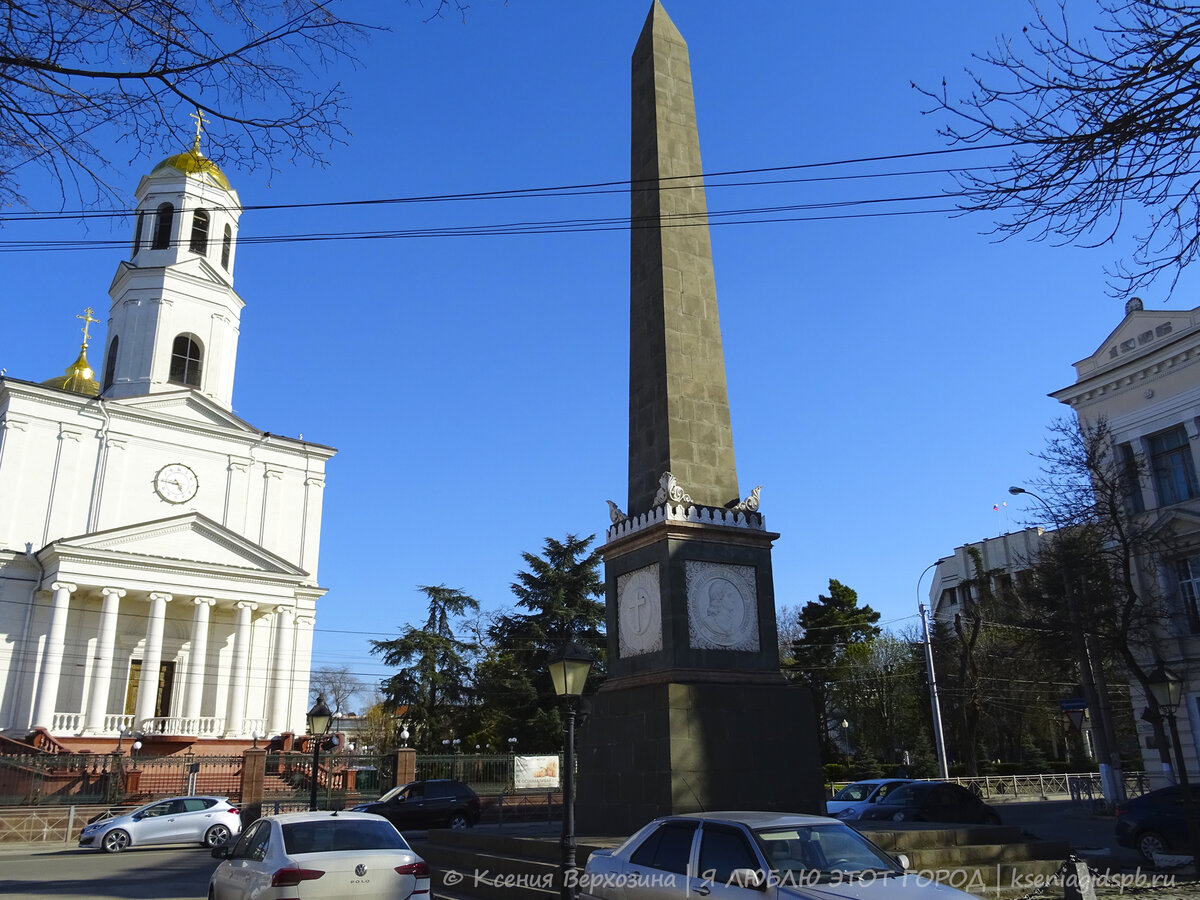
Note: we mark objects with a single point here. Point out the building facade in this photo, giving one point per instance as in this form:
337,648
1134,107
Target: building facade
158,554
1144,380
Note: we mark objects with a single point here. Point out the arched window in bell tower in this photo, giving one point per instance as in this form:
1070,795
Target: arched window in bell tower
162,227
226,247
187,360
110,364
199,242
137,232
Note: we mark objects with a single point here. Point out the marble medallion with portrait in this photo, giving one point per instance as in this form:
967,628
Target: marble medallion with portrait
722,606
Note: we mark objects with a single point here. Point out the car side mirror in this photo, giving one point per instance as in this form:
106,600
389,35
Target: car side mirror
220,852
902,859
748,878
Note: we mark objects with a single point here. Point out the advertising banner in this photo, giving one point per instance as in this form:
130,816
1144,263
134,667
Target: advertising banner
535,772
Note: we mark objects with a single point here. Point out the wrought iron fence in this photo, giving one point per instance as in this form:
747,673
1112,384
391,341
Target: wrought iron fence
486,773
35,779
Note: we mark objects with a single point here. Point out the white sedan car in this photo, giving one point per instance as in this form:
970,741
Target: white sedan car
315,855
740,855
852,800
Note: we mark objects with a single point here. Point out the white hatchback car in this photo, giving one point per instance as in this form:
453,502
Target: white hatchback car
318,855
761,855
210,821
848,803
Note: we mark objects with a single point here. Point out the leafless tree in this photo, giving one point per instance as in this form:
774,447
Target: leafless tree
1103,126
337,684
80,75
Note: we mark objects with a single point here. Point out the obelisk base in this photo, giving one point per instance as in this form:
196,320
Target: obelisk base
649,750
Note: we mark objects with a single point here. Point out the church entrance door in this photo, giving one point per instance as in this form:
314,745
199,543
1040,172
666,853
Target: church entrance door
166,685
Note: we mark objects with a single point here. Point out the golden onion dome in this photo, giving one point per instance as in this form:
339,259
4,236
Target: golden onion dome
78,378
196,164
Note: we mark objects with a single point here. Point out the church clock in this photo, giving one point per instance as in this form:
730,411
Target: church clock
176,483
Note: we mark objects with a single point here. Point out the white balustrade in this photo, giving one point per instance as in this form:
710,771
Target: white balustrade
190,726
254,726
117,724
66,722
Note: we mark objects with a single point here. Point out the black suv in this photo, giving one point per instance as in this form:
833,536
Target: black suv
437,803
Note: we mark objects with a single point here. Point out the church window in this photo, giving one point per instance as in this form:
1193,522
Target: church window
137,232
162,227
110,363
226,247
186,361
199,243
1172,465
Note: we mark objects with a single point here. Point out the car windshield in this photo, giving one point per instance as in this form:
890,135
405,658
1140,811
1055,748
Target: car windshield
394,792
854,792
814,853
334,835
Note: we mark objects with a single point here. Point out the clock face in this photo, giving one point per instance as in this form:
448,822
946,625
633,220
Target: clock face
176,483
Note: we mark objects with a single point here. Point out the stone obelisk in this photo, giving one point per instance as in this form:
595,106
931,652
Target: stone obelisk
694,714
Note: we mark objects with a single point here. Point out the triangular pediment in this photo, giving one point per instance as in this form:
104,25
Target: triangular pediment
186,405
1142,331
1181,522
190,538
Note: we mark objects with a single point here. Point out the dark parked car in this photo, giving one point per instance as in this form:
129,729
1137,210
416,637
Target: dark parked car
1154,822
436,803
932,801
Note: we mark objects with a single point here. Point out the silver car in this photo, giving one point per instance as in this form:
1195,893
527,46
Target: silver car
774,856
208,821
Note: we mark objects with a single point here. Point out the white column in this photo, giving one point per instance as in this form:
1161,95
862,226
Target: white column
102,664
151,659
300,671
197,657
281,688
239,674
52,655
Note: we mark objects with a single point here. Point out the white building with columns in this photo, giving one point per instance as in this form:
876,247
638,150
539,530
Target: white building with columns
158,554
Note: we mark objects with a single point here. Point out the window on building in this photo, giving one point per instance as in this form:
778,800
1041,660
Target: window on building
1133,483
162,227
226,247
186,361
1188,571
137,233
199,242
1172,466
110,363
949,597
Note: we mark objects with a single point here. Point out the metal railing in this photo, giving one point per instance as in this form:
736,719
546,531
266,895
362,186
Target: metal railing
1080,786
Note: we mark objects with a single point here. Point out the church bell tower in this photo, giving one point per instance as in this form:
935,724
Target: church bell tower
175,317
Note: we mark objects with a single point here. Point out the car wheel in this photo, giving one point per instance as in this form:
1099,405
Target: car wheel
216,836
1149,843
115,841
458,821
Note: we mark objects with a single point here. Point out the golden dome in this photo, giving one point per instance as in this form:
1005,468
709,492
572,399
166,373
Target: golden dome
196,164
78,378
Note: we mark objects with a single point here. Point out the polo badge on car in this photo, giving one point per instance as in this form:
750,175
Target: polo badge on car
360,870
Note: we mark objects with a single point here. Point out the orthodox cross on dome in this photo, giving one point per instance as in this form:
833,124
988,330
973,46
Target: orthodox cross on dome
198,115
87,323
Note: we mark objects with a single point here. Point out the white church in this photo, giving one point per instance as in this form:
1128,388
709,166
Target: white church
158,554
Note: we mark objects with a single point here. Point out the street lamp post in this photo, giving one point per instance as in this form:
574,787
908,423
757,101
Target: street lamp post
569,670
1167,688
935,703
1110,760
319,720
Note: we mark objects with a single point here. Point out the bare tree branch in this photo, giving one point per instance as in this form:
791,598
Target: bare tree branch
1104,129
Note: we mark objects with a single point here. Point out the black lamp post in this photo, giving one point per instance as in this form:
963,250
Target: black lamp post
319,720
1167,688
569,670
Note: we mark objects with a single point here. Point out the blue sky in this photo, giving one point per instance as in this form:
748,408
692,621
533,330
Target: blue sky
887,375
